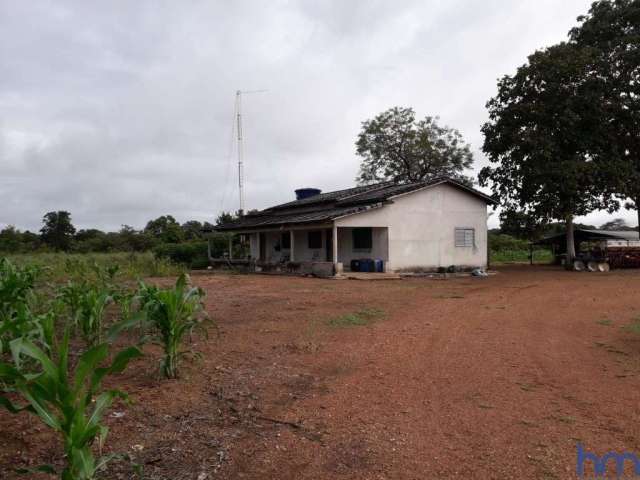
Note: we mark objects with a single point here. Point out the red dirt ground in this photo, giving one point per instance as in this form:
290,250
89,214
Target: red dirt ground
497,377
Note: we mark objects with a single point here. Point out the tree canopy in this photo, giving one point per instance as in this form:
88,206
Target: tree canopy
395,146
611,32
549,153
165,228
57,231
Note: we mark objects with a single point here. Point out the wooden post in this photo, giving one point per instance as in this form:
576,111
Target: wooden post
231,247
258,245
291,250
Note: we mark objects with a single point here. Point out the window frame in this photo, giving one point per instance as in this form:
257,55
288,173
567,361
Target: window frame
467,242
315,235
357,244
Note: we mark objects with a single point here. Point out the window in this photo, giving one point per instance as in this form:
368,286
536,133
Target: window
315,239
465,237
286,240
362,239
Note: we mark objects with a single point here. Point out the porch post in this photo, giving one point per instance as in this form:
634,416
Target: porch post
231,247
334,242
258,245
291,250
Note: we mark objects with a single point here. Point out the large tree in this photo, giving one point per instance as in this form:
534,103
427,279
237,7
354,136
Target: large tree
165,229
611,30
58,231
395,146
545,142
193,230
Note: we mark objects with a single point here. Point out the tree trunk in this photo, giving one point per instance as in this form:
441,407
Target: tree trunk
571,246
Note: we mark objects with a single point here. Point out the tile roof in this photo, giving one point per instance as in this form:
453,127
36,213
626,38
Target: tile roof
328,206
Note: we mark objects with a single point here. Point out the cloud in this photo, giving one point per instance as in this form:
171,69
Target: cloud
122,111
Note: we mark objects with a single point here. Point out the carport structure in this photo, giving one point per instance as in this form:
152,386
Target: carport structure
584,240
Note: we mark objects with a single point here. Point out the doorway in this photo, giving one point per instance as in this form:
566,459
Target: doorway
263,247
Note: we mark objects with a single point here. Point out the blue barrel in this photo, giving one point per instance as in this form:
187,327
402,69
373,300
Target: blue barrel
367,265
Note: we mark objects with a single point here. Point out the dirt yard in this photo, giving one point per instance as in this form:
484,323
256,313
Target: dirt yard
498,378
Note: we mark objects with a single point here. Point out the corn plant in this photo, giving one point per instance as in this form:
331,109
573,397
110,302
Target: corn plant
172,313
16,295
87,304
23,323
71,296
93,303
16,284
68,401
107,274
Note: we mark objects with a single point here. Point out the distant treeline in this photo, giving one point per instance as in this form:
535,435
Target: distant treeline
185,243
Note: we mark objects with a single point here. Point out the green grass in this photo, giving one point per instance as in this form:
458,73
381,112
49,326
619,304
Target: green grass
506,256
57,266
604,321
359,318
566,419
634,327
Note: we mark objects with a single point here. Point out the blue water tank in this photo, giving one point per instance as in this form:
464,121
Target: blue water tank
302,193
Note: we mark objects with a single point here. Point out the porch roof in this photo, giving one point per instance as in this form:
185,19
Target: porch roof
326,207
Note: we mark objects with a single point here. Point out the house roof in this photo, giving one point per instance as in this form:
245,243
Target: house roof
581,235
328,206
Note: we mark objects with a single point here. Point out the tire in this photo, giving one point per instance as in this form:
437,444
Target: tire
578,265
603,267
592,266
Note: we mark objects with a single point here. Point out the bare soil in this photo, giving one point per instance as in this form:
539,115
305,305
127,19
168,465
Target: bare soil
495,377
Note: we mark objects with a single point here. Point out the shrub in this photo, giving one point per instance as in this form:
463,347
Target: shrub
505,248
193,254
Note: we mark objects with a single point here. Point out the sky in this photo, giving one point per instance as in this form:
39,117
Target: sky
122,111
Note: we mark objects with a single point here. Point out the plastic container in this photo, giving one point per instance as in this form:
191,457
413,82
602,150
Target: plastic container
379,266
367,265
355,265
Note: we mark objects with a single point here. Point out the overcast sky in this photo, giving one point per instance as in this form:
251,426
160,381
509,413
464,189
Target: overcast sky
122,111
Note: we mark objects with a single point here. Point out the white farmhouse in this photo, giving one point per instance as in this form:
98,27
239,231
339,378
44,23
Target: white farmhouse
385,227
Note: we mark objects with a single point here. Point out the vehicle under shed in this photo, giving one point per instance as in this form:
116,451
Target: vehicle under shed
616,249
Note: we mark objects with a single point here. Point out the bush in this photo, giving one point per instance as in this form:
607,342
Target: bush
502,242
505,248
192,254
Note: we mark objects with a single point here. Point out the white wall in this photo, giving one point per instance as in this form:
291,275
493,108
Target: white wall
379,246
302,252
421,228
